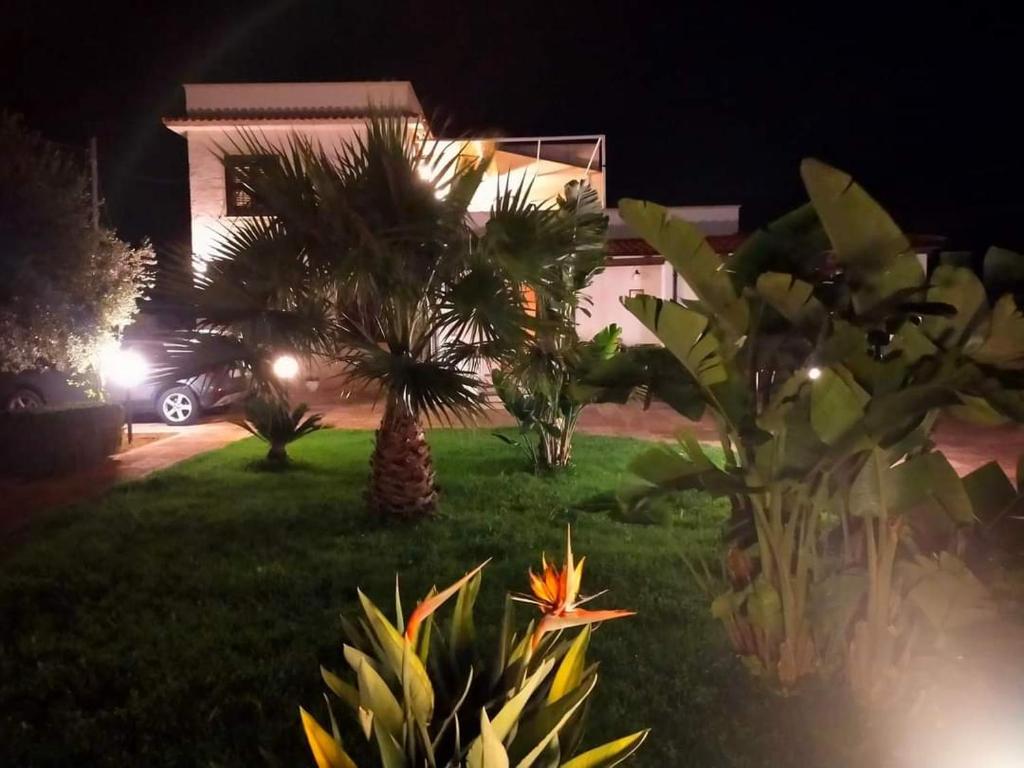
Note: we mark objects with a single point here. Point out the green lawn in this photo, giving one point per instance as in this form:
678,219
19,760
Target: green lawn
180,620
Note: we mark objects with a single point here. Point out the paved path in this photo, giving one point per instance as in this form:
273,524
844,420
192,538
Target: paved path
19,500
967,448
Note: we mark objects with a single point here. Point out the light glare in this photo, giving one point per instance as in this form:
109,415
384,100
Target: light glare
286,367
814,373
124,367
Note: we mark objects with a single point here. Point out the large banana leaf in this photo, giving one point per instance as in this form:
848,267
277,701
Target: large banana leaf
837,403
866,241
930,477
961,289
990,491
793,299
685,334
669,470
946,593
868,496
1004,344
794,243
686,249
927,482
1003,270
997,504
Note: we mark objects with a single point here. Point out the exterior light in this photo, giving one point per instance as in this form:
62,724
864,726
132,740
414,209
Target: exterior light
124,367
814,373
286,367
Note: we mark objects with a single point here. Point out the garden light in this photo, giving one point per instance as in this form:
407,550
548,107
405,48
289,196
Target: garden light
286,367
124,367
814,373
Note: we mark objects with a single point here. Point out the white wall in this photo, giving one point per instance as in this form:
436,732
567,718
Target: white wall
206,172
207,144
606,293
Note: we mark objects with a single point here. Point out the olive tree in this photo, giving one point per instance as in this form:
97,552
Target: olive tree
68,286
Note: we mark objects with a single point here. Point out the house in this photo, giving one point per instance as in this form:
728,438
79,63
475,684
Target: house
331,113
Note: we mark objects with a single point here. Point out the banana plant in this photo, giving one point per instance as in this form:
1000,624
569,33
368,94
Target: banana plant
426,694
823,354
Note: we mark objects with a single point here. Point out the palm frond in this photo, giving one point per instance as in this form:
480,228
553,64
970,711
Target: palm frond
431,387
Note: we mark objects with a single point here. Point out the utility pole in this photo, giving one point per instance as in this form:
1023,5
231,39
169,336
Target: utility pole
95,182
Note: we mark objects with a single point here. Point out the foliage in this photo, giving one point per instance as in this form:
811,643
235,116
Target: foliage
429,696
272,421
546,393
249,572
824,386
68,288
538,383
46,442
542,384
367,257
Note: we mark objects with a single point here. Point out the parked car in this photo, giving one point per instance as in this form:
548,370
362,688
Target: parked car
178,403
34,389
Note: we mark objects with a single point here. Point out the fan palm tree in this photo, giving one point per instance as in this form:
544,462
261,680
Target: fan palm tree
367,256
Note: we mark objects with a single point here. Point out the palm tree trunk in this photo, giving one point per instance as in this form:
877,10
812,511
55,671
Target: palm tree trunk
402,480
278,454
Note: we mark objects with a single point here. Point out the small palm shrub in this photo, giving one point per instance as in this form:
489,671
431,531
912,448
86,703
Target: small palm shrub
541,383
426,694
546,391
272,421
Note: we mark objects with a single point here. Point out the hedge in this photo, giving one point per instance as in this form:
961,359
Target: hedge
56,441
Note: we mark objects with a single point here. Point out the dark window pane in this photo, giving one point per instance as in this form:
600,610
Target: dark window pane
240,173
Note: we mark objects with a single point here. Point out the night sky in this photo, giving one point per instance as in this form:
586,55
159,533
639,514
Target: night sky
703,103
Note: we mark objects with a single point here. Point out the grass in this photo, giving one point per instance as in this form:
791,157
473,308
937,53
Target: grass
180,620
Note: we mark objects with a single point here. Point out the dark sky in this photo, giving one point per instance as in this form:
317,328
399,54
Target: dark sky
701,102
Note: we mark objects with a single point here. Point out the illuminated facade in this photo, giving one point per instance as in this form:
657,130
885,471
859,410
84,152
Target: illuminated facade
216,116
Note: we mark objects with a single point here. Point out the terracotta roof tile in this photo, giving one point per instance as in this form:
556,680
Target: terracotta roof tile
635,246
623,247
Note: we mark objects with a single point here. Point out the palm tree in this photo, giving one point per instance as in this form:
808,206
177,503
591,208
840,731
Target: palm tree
367,256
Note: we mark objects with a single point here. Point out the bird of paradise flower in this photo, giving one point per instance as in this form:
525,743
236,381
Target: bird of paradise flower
556,592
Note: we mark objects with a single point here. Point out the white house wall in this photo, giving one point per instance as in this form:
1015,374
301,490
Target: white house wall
606,307
207,179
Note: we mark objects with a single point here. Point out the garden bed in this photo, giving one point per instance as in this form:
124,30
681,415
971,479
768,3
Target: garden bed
181,619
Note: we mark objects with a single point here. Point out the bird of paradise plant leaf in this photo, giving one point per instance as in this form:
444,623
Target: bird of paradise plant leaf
427,697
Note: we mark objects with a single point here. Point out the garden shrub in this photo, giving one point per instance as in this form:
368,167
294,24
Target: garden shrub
56,441
424,694
823,353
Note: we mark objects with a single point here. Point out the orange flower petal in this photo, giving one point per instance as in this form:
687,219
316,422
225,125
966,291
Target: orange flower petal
539,588
552,581
552,623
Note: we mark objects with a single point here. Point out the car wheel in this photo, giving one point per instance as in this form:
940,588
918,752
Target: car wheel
178,407
24,400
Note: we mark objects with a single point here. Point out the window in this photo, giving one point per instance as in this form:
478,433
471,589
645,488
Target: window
239,172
